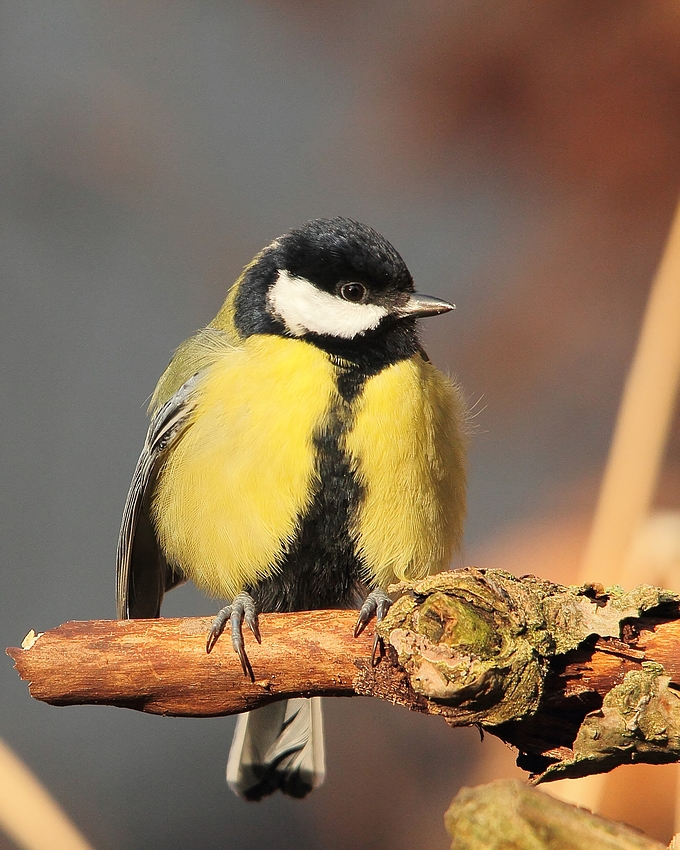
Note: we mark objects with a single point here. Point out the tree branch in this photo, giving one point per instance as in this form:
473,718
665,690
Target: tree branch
578,679
161,666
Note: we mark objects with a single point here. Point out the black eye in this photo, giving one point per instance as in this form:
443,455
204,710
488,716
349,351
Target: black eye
353,292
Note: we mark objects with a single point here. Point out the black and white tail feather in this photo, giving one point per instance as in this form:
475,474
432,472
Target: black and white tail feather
278,747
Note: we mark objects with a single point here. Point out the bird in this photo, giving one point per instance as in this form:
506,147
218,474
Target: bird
303,453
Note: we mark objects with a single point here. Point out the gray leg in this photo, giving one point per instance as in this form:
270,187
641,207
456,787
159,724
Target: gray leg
242,610
377,604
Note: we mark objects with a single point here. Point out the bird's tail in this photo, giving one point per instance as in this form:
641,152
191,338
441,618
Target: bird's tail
279,746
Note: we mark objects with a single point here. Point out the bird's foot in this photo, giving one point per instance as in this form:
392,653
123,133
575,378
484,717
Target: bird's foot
377,604
242,610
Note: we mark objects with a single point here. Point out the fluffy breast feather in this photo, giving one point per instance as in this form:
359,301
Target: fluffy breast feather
408,448
228,499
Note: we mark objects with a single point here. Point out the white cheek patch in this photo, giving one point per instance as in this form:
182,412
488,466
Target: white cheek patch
304,308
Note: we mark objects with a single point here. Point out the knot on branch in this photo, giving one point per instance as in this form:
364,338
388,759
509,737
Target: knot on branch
481,645
472,639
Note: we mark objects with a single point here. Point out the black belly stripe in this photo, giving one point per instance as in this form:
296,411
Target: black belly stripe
321,568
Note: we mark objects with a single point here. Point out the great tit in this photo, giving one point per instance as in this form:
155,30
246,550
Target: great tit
303,453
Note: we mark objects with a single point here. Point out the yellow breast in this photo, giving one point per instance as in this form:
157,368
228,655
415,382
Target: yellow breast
228,499
408,449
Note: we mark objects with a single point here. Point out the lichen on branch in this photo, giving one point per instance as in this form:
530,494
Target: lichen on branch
482,645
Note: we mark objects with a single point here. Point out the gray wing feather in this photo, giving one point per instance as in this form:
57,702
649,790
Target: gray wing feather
142,573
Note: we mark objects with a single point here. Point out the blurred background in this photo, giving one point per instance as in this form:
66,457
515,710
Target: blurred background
523,157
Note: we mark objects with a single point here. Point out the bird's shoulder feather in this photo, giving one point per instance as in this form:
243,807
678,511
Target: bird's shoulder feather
194,355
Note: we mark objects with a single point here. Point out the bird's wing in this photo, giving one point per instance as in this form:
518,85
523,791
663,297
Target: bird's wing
142,574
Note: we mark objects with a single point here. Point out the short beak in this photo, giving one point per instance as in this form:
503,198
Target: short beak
418,306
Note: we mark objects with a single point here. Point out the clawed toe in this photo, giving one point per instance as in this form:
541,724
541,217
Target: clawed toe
377,604
242,610
217,627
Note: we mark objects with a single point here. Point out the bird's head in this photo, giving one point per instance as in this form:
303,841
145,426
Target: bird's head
331,280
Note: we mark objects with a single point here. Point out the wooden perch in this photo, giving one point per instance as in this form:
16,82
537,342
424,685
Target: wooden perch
578,679
161,666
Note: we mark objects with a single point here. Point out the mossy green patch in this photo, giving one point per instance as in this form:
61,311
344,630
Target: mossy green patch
479,644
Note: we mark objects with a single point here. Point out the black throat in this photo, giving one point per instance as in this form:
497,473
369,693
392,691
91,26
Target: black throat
366,355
